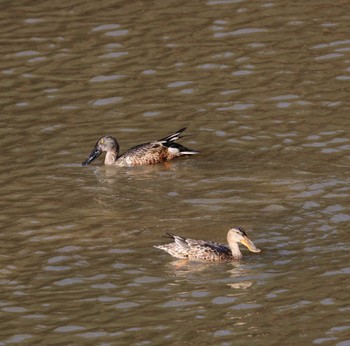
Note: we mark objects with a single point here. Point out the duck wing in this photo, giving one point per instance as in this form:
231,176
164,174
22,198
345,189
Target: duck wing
218,248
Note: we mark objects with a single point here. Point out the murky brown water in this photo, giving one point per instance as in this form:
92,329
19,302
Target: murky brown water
263,88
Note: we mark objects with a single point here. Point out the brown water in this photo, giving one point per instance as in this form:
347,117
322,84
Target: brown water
263,88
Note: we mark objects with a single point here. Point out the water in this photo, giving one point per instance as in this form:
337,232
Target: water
263,89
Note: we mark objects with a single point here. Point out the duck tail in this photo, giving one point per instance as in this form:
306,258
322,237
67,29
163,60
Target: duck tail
179,241
183,150
189,152
173,137
165,247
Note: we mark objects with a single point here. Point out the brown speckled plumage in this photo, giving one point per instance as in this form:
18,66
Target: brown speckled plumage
164,149
191,249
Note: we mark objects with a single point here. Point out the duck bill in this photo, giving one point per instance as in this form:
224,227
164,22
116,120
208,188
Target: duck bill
250,245
95,153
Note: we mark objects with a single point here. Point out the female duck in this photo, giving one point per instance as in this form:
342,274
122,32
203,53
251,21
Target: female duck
164,149
207,250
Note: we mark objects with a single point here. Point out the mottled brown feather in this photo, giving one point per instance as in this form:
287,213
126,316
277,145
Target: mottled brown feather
162,150
185,248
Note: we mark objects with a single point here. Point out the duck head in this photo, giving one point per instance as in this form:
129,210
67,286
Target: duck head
238,235
106,144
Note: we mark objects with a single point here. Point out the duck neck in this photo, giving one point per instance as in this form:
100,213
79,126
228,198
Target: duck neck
111,157
236,252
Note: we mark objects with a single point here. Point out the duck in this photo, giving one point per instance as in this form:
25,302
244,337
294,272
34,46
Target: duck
162,150
202,250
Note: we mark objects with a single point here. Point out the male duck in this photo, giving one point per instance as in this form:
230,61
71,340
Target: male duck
164,149
207,250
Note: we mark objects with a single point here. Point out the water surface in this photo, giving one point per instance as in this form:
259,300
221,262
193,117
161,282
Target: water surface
262,87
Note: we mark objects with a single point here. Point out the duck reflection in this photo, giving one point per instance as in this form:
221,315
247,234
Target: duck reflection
107,174
232,274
